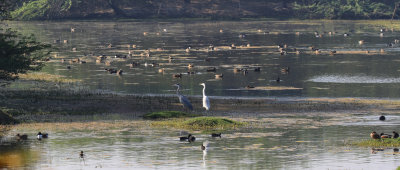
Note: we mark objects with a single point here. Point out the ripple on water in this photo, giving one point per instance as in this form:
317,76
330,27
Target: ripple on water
354,79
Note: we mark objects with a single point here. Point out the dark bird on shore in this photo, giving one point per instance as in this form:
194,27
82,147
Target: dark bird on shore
385,135
375,135
216,135
395,135
382,118
22,137
182,99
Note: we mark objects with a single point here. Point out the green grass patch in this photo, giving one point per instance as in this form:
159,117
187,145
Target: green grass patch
167,115
200,123
387,142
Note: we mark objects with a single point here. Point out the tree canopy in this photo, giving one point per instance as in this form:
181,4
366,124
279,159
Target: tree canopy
18,53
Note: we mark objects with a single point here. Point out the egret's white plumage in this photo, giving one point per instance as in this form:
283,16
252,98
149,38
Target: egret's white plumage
206,101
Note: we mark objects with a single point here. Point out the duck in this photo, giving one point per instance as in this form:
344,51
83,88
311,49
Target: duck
249,87
212,69
395,135
39,136
190,66
285,70
332,52
179,75
361,42
257,69
216,135
374,135
119,72
219,76
21,137
382,118
385,135
278,80
81,154
191,138
204,146
236,70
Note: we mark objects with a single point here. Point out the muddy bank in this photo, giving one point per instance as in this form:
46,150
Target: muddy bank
26,104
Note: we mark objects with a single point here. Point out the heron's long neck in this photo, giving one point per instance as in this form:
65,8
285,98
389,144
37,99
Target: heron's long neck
177,91
204,91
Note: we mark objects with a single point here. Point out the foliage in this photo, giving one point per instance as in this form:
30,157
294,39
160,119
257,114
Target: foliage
342,9
167,114
19,54
42,9
385,142
199,123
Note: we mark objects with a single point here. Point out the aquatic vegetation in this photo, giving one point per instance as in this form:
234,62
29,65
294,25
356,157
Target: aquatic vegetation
47,77
167,114
386,142
200,123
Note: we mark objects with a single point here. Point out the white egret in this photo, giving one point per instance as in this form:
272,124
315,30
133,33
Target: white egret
206,101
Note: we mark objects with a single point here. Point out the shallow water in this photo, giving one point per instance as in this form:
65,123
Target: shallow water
317,142
346,74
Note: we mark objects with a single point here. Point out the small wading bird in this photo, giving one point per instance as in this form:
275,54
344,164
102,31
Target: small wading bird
206,101
182,99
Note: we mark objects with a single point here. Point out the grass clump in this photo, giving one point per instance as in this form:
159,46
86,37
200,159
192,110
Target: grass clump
167,115
200,123
386,142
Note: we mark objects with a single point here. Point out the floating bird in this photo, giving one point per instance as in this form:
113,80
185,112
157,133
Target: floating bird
191,138
179,75
82,155
219,76
361,42
212,69
385,135
382,118
206,101
257,69
182,99
375,135
278,80
190,66
395,135
39,136
216,135
22,137
249,87
204,146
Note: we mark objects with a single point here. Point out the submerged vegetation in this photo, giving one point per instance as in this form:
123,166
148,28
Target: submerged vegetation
167,115
386,142
200,123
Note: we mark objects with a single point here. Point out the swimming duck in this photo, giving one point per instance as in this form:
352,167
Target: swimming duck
81,155
374,135
39,136
395,135
119,72
191,138
216,135
249,87
177,75
382,118
212,69
385,135
278,80
190,66
257,69
21,137
219,76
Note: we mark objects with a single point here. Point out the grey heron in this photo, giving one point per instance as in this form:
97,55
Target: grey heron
206,101
182,99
